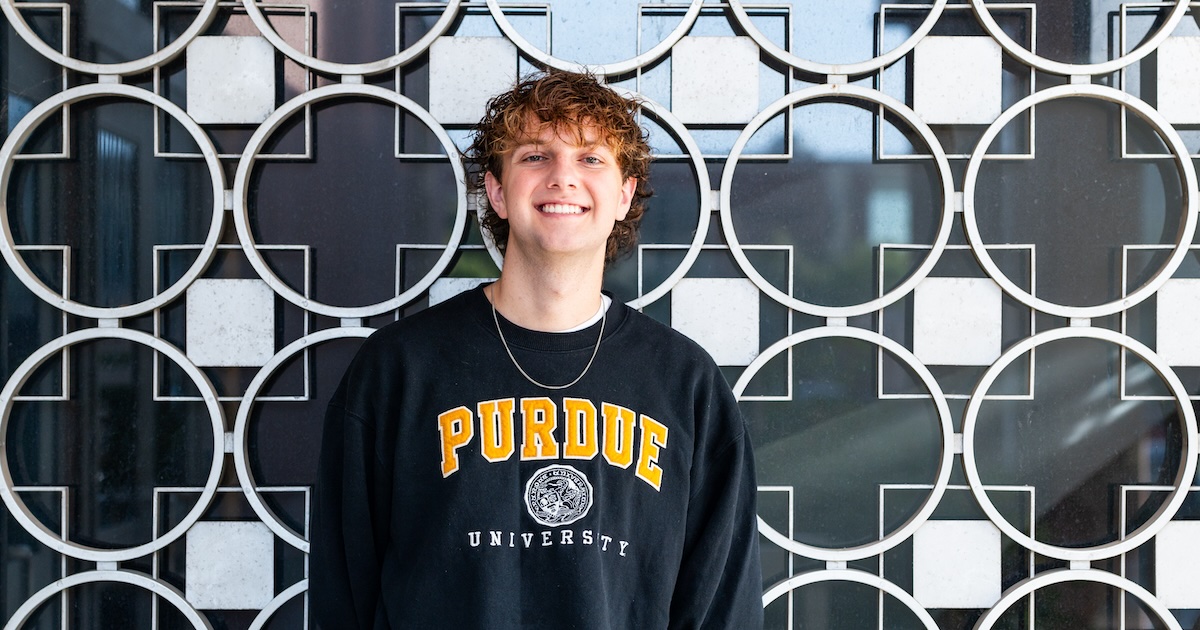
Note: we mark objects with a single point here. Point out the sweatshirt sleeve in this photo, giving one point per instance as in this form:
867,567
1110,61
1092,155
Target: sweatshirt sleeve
347,538
720,579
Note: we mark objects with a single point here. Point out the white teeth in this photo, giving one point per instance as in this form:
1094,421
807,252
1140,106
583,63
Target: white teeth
562,208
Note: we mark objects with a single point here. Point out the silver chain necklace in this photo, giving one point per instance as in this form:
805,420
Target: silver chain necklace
595,351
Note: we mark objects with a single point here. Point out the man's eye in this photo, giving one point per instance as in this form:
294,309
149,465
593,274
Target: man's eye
591,159
534,158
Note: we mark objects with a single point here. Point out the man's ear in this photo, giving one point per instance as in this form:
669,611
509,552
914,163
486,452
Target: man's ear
627,190
495,194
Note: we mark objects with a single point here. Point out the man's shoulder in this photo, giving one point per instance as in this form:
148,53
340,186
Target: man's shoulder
661,338
442,322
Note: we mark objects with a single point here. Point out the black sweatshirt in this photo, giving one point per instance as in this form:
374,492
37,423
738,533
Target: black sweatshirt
456,494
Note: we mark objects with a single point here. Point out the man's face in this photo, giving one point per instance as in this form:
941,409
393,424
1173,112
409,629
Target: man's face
560,197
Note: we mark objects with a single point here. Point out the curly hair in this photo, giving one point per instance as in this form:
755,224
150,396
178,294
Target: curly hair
567,102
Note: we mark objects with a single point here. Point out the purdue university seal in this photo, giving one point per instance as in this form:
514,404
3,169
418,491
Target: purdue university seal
558,495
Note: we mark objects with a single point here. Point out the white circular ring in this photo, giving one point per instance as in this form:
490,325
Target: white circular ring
604,69
851,575
1183,479
704,191
204,17
945,222
1187,218
1072,69
945,426
21,134
52,539
1057,576
849,69
241,454
241,214
366,68
159,588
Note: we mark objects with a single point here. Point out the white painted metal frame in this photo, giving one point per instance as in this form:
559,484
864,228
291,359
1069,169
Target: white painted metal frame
241,452
842,574
353,69
844,69
883,395
1187,227
611,68
241,212
1083,574
17,506
11,11
22,132
945,460
133,578
945,219
1184,475
1072,69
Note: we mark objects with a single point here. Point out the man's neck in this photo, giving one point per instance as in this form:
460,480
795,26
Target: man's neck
547,297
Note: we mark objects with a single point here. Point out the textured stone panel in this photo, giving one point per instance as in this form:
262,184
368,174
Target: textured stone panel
721,314
1178,333
956,564
1177,569
464,72
714,80
230,80
230,565
958,80
957,321
1179,79
230,323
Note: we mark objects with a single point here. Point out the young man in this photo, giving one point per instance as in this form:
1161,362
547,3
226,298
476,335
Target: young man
530,454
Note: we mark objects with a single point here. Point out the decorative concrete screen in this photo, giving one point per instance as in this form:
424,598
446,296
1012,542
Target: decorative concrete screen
945,253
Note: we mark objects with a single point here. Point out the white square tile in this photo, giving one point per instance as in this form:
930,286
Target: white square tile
1177,564
1178,336
956,564
958,80
1179,79
230,565
230,323
714,80
443,289
230,80
957,321
464,72
721,314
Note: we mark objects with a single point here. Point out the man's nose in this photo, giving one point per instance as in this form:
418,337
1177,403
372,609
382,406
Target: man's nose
563,174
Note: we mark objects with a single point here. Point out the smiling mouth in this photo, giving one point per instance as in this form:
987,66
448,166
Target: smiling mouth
562,208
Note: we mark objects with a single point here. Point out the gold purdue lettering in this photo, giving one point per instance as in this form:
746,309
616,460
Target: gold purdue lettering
582,437
654,439
618,435
540,417
496,429
456,427
581,429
